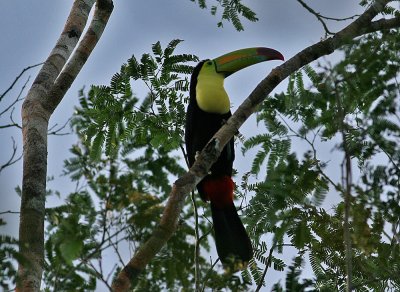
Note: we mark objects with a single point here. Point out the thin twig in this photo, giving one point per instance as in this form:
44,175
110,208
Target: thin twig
321,17
197,244
115,247
396,236
347,183
98,250
347,204
184,155
12,159
111,272
340,19
268,264
311,143
12,119
18,97
197,237
9,212
99,275
57,131
10,126
208,273
17,78
318,16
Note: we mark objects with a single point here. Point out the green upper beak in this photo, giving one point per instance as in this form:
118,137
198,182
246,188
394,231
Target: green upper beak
237,60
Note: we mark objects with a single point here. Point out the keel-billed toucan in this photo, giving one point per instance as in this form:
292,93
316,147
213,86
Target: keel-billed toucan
208,110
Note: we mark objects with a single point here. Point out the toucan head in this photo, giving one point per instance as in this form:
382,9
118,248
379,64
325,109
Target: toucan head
232,62
208,76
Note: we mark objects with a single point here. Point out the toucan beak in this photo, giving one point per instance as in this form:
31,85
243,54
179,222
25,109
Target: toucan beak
237,60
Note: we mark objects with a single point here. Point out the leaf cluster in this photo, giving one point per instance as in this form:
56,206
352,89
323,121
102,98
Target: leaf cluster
123,186
353,105
113,111
8,255
70,238
232,11
293,281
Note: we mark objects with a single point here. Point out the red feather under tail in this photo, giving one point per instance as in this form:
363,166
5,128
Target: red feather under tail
219,190
232,242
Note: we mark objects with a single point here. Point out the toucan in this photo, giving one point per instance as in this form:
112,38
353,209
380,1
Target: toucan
208,110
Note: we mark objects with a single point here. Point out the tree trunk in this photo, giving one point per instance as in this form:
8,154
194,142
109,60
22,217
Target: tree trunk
48,89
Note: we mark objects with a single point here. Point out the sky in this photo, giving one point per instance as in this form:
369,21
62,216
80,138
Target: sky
29,30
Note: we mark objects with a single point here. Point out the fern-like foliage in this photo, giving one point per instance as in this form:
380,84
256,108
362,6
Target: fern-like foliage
158,120
9,256
355,106
128,153
231,11
293,281
71,237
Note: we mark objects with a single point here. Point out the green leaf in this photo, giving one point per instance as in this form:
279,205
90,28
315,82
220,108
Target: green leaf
156,48
97,145
71,249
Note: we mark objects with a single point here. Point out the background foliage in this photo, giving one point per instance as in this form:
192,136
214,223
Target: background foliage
352,105
355,105
128,152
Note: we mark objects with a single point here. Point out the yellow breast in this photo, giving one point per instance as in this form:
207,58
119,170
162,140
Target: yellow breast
211,96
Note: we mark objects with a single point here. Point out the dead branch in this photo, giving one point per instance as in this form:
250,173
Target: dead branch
321,18
13,159
17,78
56,130
18,99
318,16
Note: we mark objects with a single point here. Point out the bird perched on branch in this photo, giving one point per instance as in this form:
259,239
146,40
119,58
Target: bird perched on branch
208,110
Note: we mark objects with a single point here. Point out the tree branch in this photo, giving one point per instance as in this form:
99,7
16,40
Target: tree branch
197,244
57,131
12,159
321,18
347,186
9,212
210,153
311,144
18,97
267,265
208,273
318,16
384,24
17,78
10,126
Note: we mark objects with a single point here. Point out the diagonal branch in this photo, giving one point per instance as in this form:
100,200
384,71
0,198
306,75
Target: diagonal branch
267,265
210,153
384,24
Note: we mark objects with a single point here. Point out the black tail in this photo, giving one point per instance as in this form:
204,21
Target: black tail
233,243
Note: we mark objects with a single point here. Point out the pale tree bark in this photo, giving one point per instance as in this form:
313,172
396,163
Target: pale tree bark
168,224
48,89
